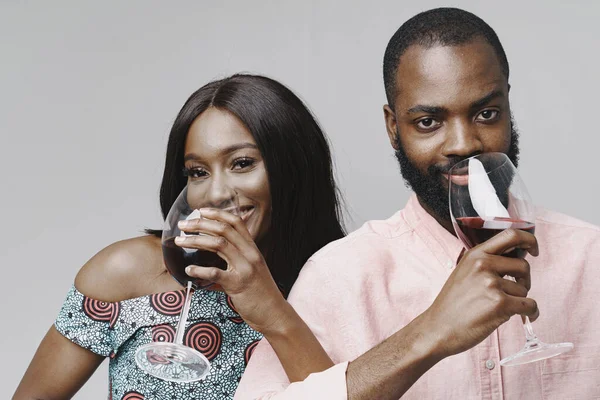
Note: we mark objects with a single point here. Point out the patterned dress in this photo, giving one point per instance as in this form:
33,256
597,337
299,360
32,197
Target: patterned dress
116,330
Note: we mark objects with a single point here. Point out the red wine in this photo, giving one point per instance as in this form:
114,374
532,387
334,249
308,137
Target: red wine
177,259
476,230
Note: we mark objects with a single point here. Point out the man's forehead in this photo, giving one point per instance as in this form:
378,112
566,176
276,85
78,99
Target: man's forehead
439,73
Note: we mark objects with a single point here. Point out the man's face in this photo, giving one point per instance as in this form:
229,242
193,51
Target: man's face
451,103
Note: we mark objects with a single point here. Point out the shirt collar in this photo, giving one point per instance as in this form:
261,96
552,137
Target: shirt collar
446,247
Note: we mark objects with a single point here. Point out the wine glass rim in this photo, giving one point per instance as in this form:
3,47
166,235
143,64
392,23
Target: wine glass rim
504,155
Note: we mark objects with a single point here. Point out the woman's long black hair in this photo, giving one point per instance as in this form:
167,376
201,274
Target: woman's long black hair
306,210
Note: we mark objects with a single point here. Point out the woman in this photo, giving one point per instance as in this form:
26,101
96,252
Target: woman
246,132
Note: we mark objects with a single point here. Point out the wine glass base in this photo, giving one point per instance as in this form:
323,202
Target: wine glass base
172,362
535,351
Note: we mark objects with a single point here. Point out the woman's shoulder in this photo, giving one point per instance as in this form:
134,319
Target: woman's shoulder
120,270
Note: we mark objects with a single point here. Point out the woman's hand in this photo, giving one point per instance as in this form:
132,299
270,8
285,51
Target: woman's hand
253,291
247,279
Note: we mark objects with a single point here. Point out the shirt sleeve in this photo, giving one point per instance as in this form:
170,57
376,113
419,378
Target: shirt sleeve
88,322
265,377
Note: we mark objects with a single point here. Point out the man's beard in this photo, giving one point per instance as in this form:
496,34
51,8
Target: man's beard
429,187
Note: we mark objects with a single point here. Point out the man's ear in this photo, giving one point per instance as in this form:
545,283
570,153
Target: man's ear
391,126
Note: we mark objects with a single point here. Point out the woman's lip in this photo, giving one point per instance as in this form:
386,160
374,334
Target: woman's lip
457,179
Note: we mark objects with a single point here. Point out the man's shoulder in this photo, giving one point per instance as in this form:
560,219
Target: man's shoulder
371,237
555,220
565,233
342,265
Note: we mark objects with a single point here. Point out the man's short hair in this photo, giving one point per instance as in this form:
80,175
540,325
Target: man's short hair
436,27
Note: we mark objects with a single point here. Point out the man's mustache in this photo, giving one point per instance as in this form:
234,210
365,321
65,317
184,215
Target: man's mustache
444,169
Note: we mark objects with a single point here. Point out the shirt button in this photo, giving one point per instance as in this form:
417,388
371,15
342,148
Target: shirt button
449,264
490,364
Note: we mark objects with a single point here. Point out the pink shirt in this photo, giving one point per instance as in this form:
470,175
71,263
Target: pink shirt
359,290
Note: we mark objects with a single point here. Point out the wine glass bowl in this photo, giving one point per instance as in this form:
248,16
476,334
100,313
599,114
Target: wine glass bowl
177,258
486,197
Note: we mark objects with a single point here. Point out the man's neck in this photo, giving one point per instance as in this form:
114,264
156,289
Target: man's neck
445,223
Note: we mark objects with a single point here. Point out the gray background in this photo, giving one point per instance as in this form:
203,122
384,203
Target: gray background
88,93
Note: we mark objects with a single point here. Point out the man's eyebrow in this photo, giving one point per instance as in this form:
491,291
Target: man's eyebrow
426,109
486,99
437,110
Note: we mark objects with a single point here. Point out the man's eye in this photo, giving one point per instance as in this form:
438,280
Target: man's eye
488,115
427,123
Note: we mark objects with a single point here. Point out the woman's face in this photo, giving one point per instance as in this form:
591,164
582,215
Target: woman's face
220,155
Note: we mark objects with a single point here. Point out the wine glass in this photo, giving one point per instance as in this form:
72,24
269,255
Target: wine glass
487,196
176,362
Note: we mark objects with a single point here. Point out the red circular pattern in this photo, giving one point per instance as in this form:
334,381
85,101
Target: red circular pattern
132,396
235,320
163,333
115,314
204,337
230,304
168,303
101,310
250,350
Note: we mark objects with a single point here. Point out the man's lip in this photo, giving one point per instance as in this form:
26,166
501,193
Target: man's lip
457,179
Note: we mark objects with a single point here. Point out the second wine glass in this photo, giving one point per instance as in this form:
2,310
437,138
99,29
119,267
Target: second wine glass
176,362
487,196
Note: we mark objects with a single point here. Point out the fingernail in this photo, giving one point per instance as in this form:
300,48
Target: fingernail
204,210
179,239
188,270
182,224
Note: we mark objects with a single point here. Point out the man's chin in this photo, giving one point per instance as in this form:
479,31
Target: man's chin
439,211
436,203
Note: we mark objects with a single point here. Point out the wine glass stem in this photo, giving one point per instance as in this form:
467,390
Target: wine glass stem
183,316
529,335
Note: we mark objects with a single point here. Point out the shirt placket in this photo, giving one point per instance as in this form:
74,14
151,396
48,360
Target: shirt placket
490,372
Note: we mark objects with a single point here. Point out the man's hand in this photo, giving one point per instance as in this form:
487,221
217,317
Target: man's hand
476,299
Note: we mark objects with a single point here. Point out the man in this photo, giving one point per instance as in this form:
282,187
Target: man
399,306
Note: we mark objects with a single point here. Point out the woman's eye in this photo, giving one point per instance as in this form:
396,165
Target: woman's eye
488,115
242,163
194,173
428,124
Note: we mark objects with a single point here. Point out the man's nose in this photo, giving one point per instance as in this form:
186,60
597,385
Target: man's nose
462,140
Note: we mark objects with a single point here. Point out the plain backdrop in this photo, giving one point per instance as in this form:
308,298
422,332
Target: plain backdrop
89,90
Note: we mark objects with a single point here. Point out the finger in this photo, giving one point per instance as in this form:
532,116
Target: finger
513,288
232,228
209,227
236,235
526,283
524,306
202,242
209,275
234,220
518,268
216,244
510,239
